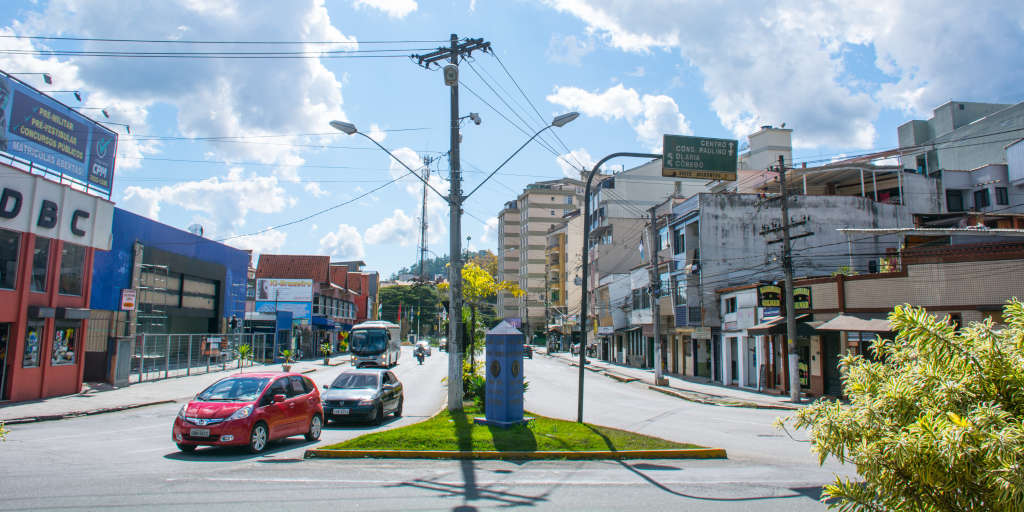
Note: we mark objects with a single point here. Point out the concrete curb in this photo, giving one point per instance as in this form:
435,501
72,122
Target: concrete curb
618,377
724,403
75,414
694,453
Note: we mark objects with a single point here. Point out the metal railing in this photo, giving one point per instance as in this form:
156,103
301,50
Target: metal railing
161,356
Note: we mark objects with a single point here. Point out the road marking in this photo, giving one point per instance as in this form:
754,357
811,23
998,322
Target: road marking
508,481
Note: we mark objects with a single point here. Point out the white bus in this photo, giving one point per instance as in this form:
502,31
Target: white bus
375,343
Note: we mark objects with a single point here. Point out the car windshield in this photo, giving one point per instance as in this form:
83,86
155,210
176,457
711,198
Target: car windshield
368,341
355,381
239,389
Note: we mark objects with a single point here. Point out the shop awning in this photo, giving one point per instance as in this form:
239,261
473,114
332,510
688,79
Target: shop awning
776,325
853,323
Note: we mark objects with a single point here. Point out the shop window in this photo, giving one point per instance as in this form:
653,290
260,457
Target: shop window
72,262
40,264
65,343
33,335
8,258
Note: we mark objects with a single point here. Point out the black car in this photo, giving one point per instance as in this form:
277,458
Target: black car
528,351
363,394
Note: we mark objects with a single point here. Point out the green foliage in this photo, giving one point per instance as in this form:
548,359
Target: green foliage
474,385
424,298
244,352
844,270
3,432
325,348
287,355
935,424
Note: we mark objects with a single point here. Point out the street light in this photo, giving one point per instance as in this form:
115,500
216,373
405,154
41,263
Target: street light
46,77
558,121
586,268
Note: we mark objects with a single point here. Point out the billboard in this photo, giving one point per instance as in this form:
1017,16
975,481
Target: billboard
284,290
301,312
43,131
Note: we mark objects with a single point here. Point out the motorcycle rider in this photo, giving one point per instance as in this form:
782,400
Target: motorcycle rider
419,353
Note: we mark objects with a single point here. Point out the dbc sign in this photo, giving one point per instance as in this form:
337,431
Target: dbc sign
33,204
10,207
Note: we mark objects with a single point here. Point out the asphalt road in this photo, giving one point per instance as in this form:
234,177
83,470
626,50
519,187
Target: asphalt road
126,460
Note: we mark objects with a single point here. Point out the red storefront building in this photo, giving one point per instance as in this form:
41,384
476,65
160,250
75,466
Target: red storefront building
48,235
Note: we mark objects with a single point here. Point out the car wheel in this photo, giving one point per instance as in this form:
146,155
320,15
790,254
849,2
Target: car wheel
398,410
378,416
259,438
187,448
315,426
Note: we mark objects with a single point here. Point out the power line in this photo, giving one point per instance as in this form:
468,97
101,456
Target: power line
194,41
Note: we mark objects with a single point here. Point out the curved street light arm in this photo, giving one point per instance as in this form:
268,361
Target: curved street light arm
586,268
506,161
425,182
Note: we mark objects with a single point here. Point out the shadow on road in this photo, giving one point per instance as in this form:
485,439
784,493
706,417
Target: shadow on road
238,453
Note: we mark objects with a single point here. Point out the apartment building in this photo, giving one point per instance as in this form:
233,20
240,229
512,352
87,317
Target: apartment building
562,268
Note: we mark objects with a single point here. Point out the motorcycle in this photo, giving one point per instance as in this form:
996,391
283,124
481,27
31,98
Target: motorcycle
419,356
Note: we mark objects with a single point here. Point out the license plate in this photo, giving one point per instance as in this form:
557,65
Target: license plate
341,411
199,432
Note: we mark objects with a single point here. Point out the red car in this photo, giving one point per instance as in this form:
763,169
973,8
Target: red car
250,410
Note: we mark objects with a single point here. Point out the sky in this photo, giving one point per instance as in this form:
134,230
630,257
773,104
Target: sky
230,130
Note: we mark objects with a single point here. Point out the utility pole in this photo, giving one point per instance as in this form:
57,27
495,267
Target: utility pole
659,376
451,75
427,160
787,267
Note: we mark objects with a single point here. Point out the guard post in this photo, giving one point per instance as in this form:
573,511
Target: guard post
504,375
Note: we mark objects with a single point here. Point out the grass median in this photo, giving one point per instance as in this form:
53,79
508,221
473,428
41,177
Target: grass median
455,431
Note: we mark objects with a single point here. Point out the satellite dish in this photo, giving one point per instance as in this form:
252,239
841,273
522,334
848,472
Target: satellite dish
196,229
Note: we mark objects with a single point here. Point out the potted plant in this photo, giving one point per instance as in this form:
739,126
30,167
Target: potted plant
243,353
325,349
287,364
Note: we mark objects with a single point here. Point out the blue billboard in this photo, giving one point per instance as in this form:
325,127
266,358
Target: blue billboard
302,312
43,131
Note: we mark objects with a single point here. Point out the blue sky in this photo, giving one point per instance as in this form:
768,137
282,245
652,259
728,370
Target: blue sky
243,145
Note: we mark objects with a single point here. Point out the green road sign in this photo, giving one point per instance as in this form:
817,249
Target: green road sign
699,157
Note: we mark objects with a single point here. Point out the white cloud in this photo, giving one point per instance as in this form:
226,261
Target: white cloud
393,8
568,49
490,227
437,207
399,228
315,190
345,243
569,161
218,201
651,116
268,242
376,133
212,97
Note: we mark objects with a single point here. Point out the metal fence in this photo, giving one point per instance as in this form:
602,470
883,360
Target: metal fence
160,356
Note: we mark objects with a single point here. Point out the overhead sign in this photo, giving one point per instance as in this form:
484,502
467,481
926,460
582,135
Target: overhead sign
128,299
769,296
701,333
43,131
284,290
699,157
43,207
802,297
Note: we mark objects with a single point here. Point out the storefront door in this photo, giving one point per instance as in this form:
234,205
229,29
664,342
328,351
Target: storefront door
5,336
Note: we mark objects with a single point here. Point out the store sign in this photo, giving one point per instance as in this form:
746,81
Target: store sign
701,333
699,157
34,204
128,299
43,131
769,296
605,330
284,290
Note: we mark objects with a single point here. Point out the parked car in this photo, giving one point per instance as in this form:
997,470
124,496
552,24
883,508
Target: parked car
442,345
250,410
528,351
425,345
363,394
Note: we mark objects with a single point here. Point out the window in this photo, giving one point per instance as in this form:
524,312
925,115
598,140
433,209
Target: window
981,199
568,200
1002,197
678,245
297,387
663,238
33,334
65,342
40,263
72,261
954,201
277,388
678,292
8,258
730,305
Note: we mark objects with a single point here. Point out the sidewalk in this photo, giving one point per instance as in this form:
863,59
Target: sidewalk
685,388
101,398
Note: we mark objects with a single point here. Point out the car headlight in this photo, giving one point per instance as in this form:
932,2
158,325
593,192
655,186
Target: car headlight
244,412
366,401
181,412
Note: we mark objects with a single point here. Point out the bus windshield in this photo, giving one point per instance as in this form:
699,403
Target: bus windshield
368,342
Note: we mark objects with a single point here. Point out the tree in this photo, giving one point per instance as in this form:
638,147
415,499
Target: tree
486,260
422,299
477,287
935,423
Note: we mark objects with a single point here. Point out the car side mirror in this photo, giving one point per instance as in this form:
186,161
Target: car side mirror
327,386
279,398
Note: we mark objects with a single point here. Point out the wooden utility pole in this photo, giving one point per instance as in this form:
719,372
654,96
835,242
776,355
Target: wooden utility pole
787,268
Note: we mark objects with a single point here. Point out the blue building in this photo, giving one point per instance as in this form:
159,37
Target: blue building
183,283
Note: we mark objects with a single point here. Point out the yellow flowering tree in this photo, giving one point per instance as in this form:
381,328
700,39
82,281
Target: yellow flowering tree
935,423
478,285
